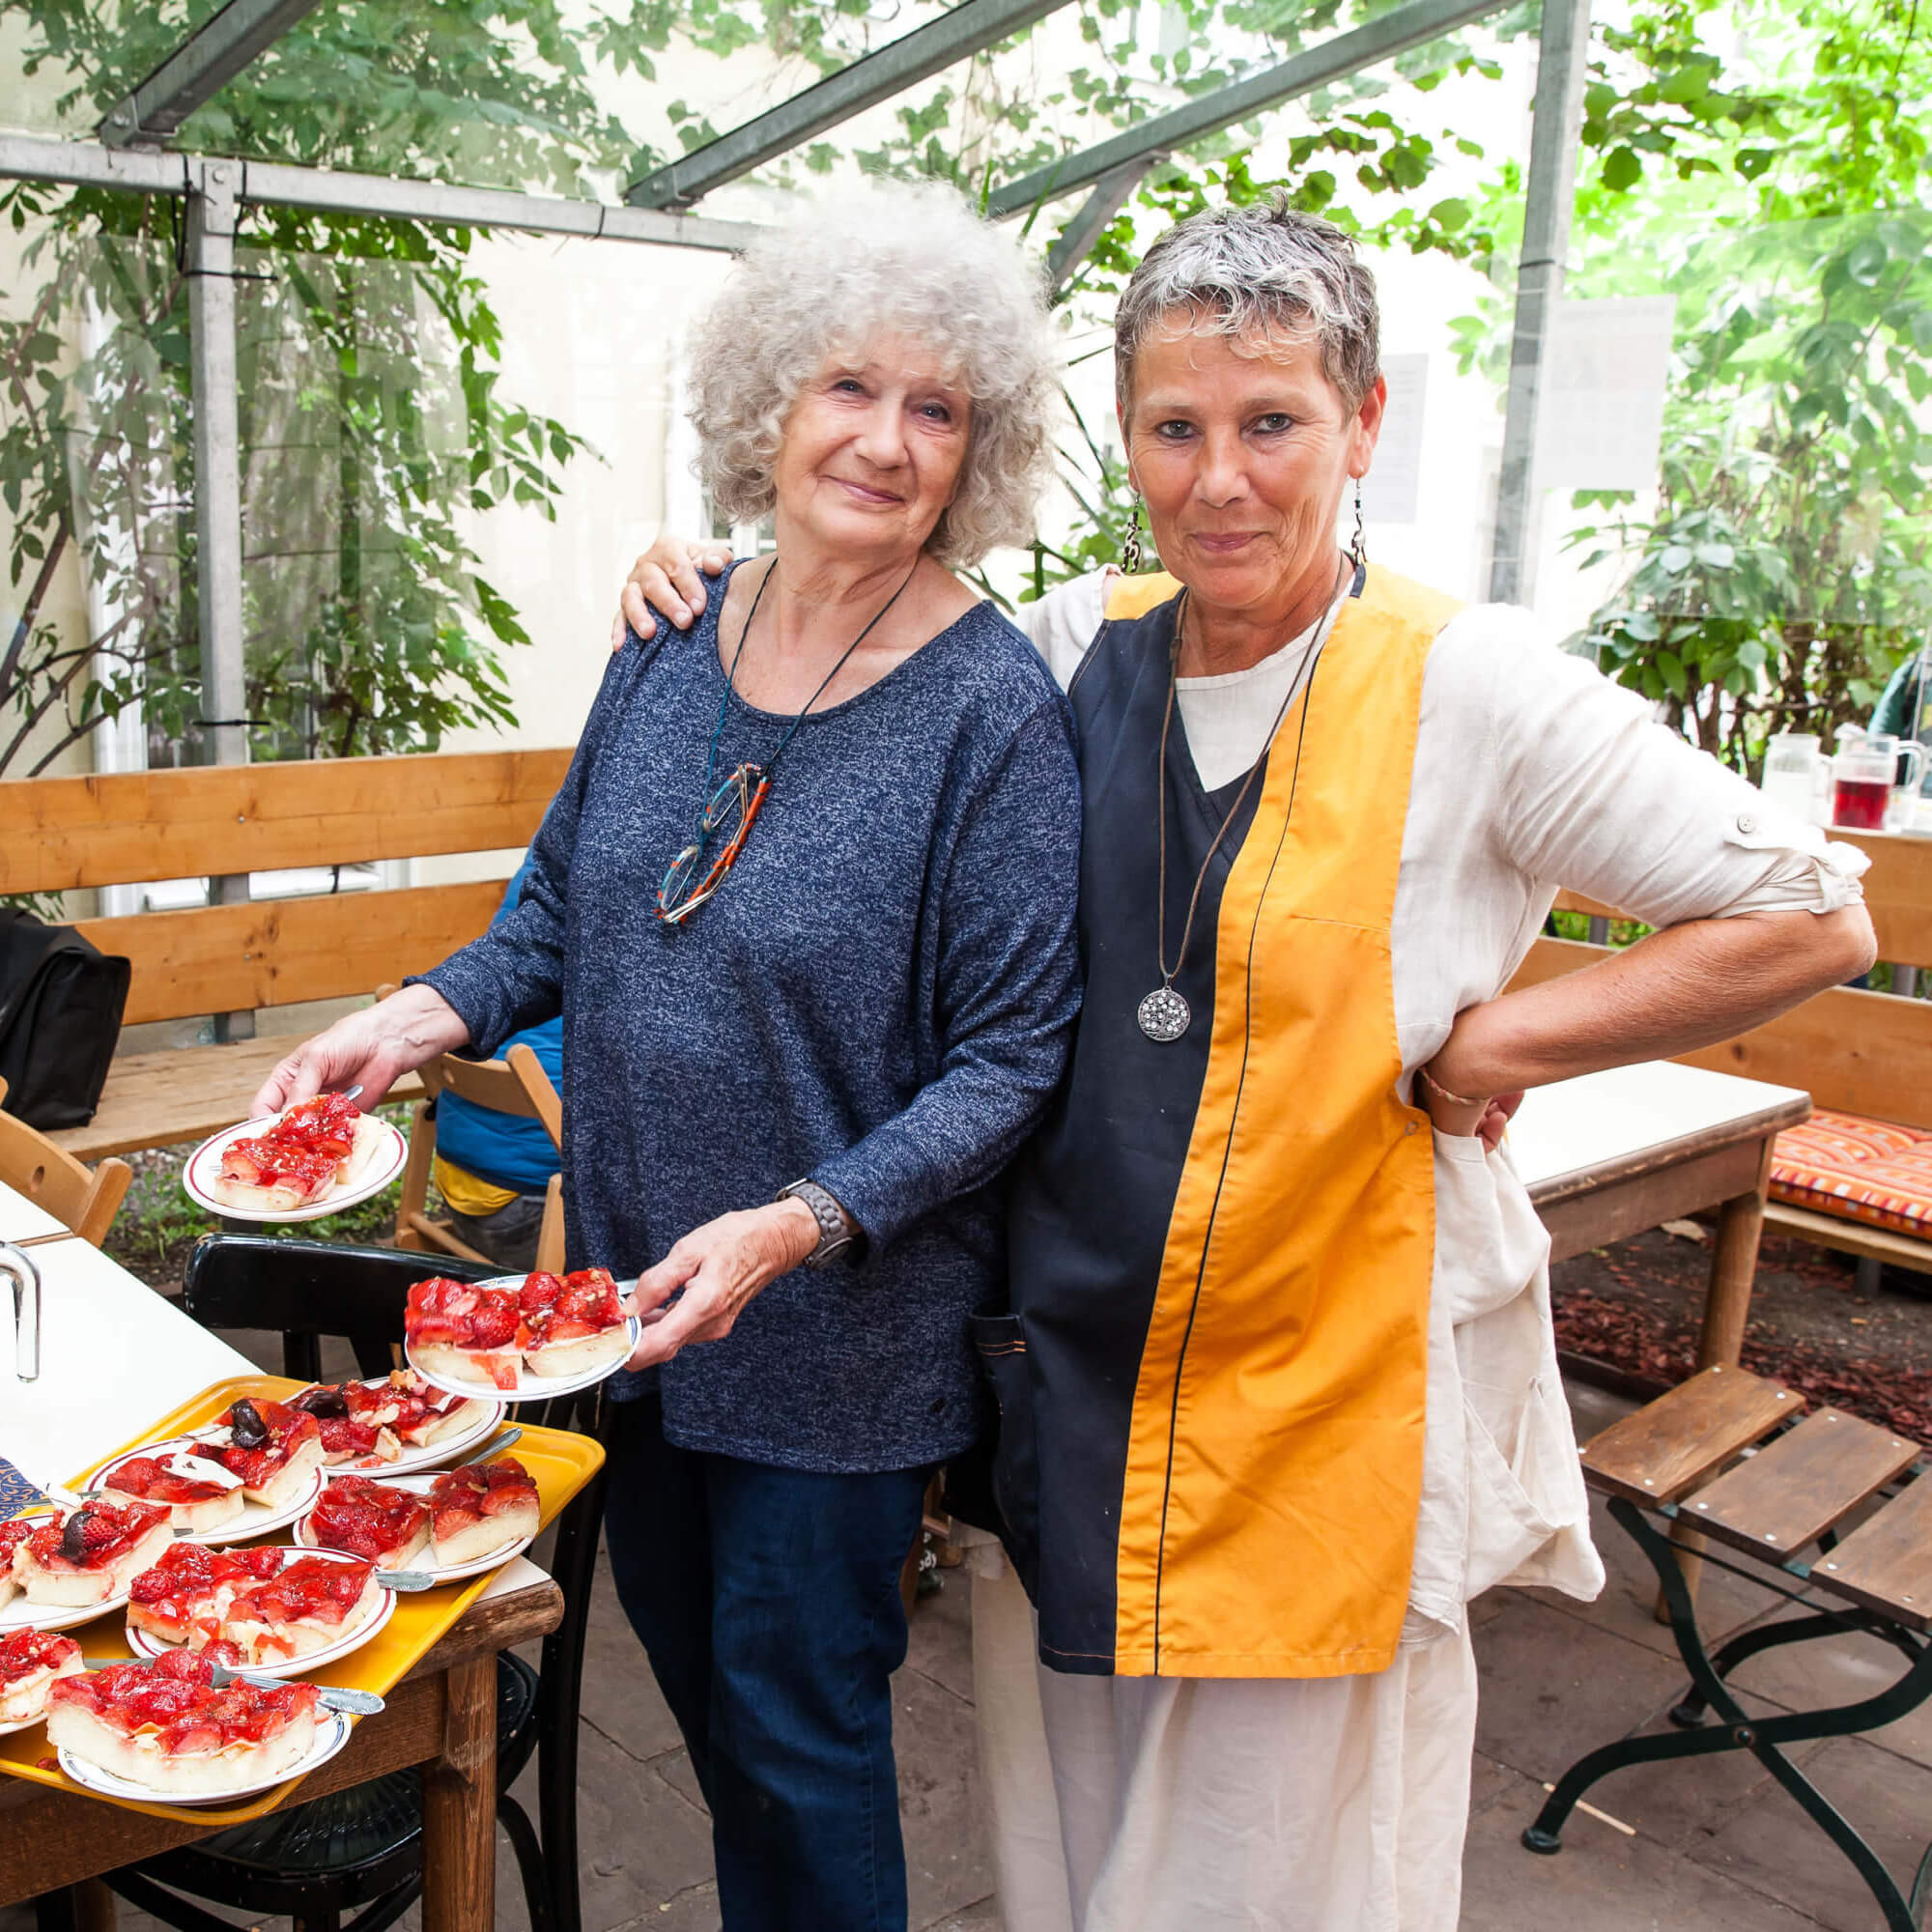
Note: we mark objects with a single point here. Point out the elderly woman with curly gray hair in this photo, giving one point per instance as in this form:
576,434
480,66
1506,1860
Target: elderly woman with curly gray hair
818,974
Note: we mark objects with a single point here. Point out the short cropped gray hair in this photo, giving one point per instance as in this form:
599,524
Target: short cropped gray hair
910,259
1264,271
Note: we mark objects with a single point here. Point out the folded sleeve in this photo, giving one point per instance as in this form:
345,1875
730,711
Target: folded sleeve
1597,796
1007,997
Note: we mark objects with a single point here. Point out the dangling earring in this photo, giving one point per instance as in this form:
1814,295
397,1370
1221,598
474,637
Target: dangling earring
1130,544
1358,550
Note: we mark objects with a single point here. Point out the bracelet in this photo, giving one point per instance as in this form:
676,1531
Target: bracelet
1442,1093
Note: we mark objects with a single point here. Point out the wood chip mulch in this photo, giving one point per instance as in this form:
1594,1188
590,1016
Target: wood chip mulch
1635,1308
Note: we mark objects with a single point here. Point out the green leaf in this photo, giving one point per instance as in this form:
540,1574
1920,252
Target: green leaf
1622,170
1675,558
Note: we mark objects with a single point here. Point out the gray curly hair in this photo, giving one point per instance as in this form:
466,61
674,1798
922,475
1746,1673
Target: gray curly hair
910,259
1265,270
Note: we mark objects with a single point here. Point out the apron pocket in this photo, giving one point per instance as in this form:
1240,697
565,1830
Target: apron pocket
1001,1343
1512,1507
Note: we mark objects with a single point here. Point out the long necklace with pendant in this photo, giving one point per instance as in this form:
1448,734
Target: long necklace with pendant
1164,1015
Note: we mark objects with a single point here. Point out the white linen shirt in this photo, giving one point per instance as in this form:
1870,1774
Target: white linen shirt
1532,773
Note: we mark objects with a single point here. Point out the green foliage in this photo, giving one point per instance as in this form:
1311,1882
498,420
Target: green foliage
368,357
1777,191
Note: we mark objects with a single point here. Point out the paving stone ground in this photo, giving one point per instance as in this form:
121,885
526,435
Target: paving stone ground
1711,1847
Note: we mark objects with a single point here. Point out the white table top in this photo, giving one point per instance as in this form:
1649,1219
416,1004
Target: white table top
113,1355
24,1220
1599,1117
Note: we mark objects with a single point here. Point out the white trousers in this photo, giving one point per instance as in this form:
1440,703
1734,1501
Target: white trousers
1218,1804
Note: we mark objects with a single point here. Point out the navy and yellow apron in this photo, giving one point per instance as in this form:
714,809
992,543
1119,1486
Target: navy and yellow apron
1211,1386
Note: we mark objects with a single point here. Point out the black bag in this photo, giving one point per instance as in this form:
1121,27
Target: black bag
61,1002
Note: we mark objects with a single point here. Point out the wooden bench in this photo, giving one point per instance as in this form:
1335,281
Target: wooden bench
1784,1499
71,834
1854,1052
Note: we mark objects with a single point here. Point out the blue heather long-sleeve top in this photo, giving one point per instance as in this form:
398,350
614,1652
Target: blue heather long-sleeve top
881,996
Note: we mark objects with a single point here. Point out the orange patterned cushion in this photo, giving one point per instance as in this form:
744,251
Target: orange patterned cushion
1859,1170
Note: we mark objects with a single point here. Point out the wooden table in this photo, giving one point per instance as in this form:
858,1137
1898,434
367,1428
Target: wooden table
112,1350
1609,1154
442,1715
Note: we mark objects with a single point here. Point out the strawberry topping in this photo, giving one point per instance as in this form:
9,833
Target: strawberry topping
25,1651
579,1304
365,1518
175,1696
477,1489
92,1538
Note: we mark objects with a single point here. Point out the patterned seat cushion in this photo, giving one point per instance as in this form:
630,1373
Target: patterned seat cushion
1859,1169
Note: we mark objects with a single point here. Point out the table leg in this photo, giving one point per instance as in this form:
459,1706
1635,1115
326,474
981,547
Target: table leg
1726,1309
86,1907
1734,1270
459,1806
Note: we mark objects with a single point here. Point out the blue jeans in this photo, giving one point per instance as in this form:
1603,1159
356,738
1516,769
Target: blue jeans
767,1600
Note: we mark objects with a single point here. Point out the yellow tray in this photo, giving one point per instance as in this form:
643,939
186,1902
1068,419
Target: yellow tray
560,1461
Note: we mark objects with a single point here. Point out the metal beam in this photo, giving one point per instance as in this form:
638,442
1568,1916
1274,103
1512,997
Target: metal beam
85,165
217,496
1391,34
904,63
1562,59
1078,236
204,63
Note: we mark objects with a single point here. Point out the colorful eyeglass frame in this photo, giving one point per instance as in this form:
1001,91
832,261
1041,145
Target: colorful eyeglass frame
734,805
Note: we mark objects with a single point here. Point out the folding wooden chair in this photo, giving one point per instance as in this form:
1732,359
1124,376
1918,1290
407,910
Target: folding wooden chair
1733,1459
518,1086
85,1199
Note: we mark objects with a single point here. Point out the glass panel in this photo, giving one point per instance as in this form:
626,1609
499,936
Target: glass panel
97,466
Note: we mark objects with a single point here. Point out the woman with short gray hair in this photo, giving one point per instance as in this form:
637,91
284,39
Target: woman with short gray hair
1278,1390
806,901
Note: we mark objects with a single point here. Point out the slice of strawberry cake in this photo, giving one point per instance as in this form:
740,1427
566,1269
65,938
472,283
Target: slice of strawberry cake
368,1423
370,1520
307,1607
465,1330
479,1508
13,1532
165,1727
570,1325
197,1493
311,1150
30,1661
192,1585
90,1555
274,1449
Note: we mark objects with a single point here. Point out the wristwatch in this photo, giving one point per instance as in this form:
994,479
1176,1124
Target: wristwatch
837,1232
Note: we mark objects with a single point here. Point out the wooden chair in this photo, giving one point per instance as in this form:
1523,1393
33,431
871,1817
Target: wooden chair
1734,1457
519,1087
85,1199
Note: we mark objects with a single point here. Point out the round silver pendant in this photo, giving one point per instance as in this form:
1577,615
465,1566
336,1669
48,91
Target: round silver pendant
1163,1014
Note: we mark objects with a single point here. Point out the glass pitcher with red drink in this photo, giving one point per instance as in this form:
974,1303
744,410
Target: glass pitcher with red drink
1863,775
